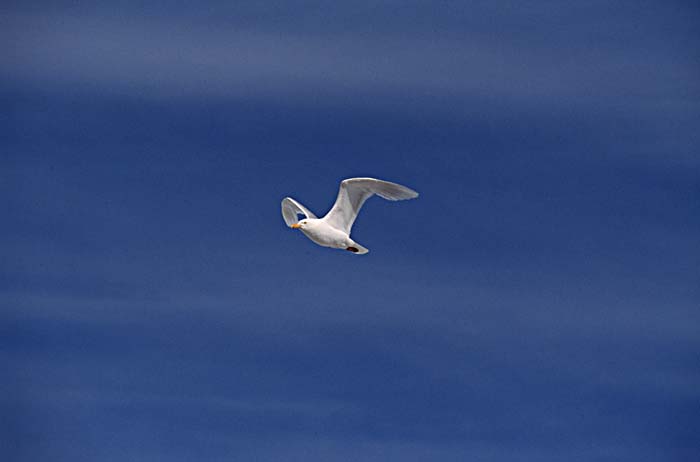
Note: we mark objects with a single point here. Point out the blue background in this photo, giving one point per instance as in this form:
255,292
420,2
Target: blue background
539,301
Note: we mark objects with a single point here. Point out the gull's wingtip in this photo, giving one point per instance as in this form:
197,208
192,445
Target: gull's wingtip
406,193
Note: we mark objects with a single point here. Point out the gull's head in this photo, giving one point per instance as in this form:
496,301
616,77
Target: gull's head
301,225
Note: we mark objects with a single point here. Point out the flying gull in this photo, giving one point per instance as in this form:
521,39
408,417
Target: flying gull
333,230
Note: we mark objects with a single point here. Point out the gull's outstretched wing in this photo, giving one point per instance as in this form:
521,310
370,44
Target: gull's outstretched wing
354,192
291,210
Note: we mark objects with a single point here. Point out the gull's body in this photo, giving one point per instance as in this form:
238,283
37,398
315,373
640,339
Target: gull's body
333,230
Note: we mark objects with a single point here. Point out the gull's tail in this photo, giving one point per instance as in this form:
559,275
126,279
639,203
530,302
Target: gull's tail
357,249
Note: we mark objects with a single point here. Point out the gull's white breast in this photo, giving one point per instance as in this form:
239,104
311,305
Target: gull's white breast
327,236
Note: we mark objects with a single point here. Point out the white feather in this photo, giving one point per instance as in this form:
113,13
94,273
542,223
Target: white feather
291,210
354,192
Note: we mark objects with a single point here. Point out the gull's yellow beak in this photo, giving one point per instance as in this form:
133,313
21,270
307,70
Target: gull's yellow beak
296,225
